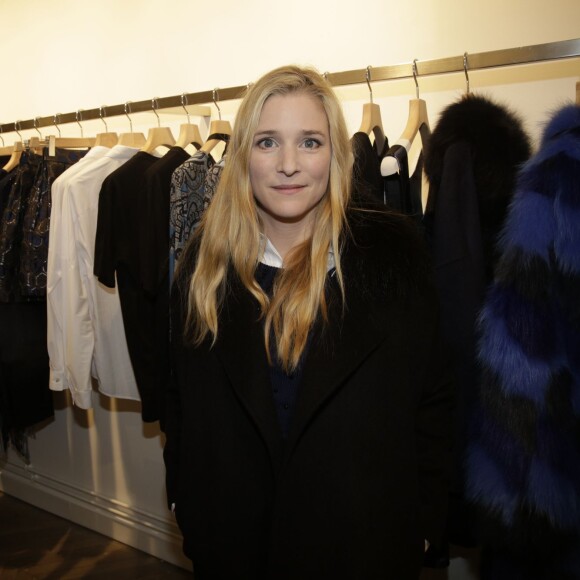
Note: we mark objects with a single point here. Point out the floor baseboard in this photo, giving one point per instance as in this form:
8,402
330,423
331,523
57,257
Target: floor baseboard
137,528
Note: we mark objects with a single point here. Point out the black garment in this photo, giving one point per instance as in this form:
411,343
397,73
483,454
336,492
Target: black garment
471,161
24,225
155,230
403,191
36,223
117,258
25,398
11,224
155,254
361,480
6,182
125,200
366,175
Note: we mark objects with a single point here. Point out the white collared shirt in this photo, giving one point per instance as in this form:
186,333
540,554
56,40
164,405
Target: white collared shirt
271,256
86,334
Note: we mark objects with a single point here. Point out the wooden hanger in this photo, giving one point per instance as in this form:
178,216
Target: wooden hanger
107,139
189,135
67,142
159,135
417,123
156,137
218,129
578,93
14,160
5,150
35,144
71,142
188,132
135,140
131,139
372,121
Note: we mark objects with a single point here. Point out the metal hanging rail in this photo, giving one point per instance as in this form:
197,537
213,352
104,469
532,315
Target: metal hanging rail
478,60
482,60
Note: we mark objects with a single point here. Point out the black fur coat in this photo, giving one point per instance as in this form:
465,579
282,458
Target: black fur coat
471,162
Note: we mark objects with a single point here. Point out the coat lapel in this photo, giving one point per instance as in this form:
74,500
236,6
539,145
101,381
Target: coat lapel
336,349
241,349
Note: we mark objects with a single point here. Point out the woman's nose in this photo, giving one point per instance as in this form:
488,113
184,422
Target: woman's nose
288,161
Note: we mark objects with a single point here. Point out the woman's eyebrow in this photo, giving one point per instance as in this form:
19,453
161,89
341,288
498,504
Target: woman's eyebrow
307,132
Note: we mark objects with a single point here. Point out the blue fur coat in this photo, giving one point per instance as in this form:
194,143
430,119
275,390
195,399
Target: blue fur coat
523,462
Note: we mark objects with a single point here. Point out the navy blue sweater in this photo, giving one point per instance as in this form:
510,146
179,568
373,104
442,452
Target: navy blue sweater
284,386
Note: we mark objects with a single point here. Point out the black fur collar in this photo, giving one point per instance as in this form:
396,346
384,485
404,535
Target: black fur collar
498,146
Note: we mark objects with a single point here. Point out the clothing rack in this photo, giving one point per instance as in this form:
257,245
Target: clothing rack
193,101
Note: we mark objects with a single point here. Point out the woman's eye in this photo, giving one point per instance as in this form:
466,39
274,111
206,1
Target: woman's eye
266,143
311,143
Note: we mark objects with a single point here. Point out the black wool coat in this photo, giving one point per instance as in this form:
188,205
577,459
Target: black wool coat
362,479
471,161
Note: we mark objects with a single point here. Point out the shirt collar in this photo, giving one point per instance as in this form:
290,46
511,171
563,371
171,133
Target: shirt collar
271,256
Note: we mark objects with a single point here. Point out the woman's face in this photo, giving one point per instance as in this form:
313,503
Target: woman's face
290,161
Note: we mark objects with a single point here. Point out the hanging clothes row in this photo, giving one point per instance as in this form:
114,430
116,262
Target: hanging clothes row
25,211
471,162
113,215
121,217
50,301
139,197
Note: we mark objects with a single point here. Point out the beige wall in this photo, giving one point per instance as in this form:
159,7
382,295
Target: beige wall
69,54
104,467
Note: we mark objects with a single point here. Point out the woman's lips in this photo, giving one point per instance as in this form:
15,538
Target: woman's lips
288,188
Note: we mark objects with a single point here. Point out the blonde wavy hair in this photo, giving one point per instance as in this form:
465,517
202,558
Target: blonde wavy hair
230,230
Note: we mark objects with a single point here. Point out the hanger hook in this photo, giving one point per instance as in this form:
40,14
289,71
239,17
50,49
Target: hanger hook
216,97
325,75
368,79
127,107
154,106
17,129
102,110
465,68
415,74
55,121
78,115
184,104
36,126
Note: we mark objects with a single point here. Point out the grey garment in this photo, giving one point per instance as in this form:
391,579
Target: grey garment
186,202
193,186
211,182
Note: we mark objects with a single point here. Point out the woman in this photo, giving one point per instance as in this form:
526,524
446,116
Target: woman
308,417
